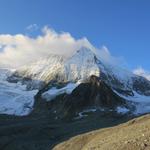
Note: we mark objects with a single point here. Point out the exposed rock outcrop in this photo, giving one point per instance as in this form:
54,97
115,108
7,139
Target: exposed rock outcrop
92,93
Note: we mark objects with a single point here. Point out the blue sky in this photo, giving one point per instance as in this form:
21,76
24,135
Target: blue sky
122,25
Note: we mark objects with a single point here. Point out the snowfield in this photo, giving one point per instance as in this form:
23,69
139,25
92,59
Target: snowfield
14,98
141,102
122,110
53,92
78,67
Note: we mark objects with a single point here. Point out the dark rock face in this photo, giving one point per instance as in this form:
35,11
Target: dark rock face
141,85
93,93
14,78
125,92
31,84
96,92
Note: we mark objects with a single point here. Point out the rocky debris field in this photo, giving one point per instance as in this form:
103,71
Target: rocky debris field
133,135
42,131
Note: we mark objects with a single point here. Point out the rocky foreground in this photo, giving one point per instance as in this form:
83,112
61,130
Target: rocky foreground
133,135
43,132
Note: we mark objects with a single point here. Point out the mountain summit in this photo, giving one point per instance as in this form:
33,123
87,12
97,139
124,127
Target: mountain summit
79,67
57,74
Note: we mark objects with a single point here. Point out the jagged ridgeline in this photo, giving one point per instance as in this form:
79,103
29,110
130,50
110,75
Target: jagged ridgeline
75,80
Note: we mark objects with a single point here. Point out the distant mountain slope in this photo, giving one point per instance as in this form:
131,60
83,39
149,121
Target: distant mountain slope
58,70
79,67
91,96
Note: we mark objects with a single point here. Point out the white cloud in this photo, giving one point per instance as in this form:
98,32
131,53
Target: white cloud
19,49
141,72
32,27
105,55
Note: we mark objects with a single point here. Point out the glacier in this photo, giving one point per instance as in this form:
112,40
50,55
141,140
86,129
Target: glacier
141,103
14,98
53,92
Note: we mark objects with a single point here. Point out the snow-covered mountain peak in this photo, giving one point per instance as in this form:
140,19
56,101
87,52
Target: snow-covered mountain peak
84,51
81,65
41,69
59,70
82,57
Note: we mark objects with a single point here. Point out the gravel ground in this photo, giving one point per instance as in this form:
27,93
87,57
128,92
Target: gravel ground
43,132
133,135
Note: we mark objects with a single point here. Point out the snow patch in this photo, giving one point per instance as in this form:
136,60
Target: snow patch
83,113
53,92
122,110
142,102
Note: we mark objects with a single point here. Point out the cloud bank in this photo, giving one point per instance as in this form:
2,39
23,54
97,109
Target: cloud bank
18,50
141,72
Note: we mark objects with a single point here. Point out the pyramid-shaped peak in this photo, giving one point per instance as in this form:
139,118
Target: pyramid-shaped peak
85,51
